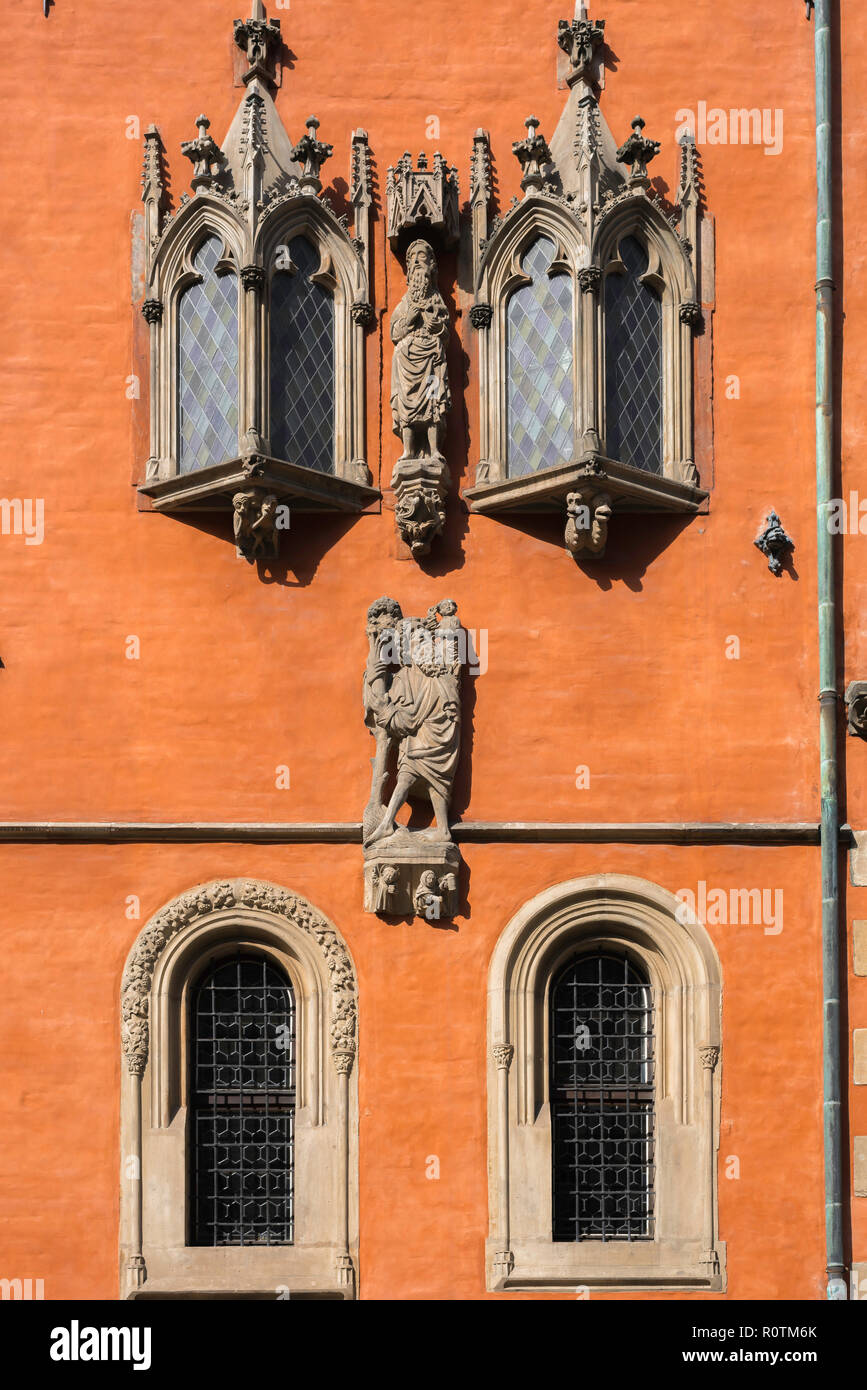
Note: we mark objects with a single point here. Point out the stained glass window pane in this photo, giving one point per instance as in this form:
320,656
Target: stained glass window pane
601,1049
208,365
243,1105
633,363
302,363
539,365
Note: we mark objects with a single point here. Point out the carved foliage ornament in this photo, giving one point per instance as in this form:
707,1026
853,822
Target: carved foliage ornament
203,902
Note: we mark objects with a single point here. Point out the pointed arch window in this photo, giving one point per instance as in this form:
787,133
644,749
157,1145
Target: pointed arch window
540,357
243,1104
207,400
633,361
601,1084
302,360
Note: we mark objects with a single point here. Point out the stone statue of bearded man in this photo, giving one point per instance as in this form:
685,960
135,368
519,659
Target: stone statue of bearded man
420,398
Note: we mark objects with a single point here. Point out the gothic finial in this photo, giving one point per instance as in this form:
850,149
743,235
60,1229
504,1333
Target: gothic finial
480,168
361,191
533,153
579,39
152,183
260,40
312,153
204,152
637,152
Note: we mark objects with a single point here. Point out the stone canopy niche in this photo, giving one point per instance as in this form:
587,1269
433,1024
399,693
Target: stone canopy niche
411,696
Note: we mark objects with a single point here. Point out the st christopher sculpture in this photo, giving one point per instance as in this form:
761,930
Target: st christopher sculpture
411,697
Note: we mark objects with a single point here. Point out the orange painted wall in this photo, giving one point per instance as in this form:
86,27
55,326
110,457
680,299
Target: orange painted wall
621,666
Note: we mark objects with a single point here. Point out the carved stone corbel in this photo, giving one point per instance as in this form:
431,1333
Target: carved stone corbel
773,542
856,703
420,488
588,513
255,524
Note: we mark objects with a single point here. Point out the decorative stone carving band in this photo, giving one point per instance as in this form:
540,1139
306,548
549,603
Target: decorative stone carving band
216,897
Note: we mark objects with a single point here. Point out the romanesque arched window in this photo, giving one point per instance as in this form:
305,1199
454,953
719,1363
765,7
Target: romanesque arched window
633,360
239,1113
207,384
539,363
602,1099
301,368
242,1102
603,1093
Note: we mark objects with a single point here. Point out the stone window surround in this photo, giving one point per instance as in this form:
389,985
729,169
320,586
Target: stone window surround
340,270
619,912
669,273
154,1120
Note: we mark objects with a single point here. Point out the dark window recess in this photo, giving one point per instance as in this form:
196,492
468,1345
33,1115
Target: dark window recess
302,363
243,1105
633,363
602,1101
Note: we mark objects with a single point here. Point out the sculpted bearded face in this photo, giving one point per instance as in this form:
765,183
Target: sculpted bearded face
420,275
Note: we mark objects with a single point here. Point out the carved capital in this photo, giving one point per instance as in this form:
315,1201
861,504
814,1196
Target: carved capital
774,543
343,1061
503,1054
709,1054
253,277
481,315
363,313
152,310
590,278
690,313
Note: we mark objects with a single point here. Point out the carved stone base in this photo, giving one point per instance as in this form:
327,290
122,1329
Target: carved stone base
345,1272
408,873
503,1264
420,487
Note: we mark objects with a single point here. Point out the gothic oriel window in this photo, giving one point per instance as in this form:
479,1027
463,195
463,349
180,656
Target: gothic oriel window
257,297
207,404
586,306
302,360
633,361
540,364
243,1105
601,1059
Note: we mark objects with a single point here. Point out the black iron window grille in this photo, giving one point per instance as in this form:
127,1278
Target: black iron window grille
243,1105
601,1050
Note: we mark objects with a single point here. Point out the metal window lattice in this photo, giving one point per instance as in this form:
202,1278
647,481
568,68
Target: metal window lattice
539,366
243,1105
302,363
208,364
602,1101
633,363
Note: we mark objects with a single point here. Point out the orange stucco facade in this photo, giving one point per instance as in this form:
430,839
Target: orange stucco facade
624,667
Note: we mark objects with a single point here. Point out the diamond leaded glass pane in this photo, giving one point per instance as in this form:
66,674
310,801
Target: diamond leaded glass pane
601,1053
633,363
302,363
208,365
539,366
243,1105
